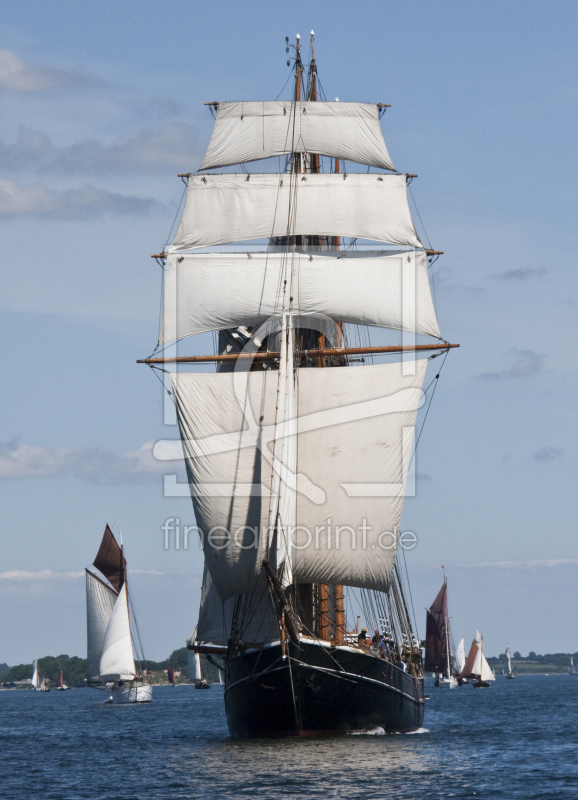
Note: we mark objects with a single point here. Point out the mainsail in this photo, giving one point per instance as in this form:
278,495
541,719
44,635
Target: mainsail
100,602
35,676
437,653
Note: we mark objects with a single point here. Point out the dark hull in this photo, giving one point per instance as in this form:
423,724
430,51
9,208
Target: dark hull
321,690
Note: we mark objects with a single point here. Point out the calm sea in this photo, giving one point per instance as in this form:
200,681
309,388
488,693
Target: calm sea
516,740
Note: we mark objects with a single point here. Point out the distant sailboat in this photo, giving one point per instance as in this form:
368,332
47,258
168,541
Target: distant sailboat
195,671
39,683
572,668
438,657
171,675
110,649
508,671
476,666
60,685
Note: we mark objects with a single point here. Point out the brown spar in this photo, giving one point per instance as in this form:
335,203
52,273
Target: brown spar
316,353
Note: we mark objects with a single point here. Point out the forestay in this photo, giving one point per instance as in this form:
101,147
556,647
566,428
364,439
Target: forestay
233,207
215,291
250,131
117,660
100,601
355,430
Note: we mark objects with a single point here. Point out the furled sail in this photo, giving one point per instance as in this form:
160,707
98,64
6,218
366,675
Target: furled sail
237,207
117,660
355,430
110,560
259,622
100,602
436,637
249,131
215,291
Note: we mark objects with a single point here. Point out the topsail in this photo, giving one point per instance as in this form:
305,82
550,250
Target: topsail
251,131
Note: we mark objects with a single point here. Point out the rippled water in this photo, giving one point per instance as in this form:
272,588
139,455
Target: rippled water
515,740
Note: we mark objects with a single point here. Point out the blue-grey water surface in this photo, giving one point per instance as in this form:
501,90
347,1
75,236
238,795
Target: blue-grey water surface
517,739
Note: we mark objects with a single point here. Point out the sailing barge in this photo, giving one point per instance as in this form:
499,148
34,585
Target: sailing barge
297,449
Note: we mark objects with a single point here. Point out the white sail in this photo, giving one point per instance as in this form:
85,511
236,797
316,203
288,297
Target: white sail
214,291
237,207
194,661
355,430
36,676
508,661
248,131
229,470
355,434
100,601
460,657
117,660
481,666
486,673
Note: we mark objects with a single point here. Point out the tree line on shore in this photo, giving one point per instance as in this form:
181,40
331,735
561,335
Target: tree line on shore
74,668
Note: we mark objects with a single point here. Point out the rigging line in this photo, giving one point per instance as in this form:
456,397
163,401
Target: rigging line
410,595
428,408
419,215
286,82
176,215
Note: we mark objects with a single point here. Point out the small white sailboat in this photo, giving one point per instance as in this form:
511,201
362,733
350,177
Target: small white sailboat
39,684
508,671
195,669
110,647
572,668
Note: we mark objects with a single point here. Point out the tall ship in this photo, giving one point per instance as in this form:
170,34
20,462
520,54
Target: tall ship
110,646
298,446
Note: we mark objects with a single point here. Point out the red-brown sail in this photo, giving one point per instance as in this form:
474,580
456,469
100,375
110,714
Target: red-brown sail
436,633
60,680
110,560
470,661
170,674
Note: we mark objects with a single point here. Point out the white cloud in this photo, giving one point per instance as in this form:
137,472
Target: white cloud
554,562
170,147
36,200
527,364
91,464
43,575
16,75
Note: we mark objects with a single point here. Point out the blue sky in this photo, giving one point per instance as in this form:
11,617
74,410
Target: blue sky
103,106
